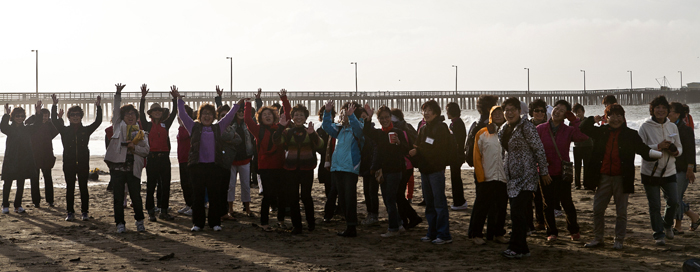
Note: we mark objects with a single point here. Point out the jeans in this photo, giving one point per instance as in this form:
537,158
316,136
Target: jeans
243,172
207,176
271,180
346,183
457,186
389,188
7,188
436,211
670,190
48,186
121,178
610,186
559,191
492,201
371,191
158,175
682,184
518,207
295,179
70,174
406,211
186,183
581,156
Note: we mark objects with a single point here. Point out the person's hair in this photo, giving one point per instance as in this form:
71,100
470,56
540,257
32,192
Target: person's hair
16,111
485,102
358,108
452,109
686,109
433,106
302,108
276,105
382,109
45,111
189,111
272,109
222,109
577,107
609,99
678,108
512,101
122,111
565,103
538,103
658,101
614,109
206,107
322,111
397,112
79,110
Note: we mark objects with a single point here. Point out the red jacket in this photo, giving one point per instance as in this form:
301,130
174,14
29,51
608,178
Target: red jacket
270,155
183,145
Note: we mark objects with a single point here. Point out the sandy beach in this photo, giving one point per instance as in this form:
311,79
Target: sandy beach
41,240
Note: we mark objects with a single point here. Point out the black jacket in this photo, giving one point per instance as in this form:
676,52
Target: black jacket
459,131
687,136
18,163
391,158
433,143
628,145
468,147
75,140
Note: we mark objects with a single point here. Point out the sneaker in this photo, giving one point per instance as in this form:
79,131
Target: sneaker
551,238
70,217
439,241
618,245
156,209
217,228
389,234
511,254
460,207
121,228
20,210
152,217
594,243
501,240
558,213
669,233
85,217
370,220
195,229
184,210
660,242
402,229
5,210
188,212
575,237
478,241
426,239
166,216
139,226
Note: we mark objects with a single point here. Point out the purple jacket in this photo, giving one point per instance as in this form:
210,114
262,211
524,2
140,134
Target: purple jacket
564,136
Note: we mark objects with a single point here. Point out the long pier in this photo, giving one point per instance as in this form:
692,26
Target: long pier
406,100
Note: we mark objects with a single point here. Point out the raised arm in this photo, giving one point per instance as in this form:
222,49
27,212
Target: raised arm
173,114
258,100
117,104
224,122
98,118
217,98
577,135
285,104
142,108
252,125
57,122
327,124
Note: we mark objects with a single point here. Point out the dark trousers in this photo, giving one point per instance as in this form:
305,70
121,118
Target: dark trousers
389,188
347,193
331,209
48,186
305,180
271,180
518,211
406,211
119,179
186,183
158,175
206,177
491,200
457,186
223,191
559,191
70,174
7,188
539,209
371,192
582,155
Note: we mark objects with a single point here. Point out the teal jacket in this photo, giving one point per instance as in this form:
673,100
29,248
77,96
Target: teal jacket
346,157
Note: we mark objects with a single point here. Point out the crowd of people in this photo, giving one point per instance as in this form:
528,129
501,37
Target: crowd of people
520,155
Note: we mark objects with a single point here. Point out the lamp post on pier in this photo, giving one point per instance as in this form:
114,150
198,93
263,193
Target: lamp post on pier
231,86
528,80
584,81
37,70
629,71
355,63
681,72
455,66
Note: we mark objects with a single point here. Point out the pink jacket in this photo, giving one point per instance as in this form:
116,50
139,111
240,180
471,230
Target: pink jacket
564,136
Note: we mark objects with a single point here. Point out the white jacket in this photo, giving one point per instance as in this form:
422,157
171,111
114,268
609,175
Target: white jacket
116,152
488,157
653,133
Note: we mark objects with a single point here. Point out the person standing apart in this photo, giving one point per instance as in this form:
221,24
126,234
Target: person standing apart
685,166
659,133
18,164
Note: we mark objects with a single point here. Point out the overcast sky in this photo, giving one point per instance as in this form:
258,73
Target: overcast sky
308,45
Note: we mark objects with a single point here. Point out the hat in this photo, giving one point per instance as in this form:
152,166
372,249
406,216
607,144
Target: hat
155,106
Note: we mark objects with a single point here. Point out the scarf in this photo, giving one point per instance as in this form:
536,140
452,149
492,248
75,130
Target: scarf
389,128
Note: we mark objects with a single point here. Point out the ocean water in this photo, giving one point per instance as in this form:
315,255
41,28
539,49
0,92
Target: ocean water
635,115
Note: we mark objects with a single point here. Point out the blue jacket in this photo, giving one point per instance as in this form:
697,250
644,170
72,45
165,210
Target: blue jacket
346,157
